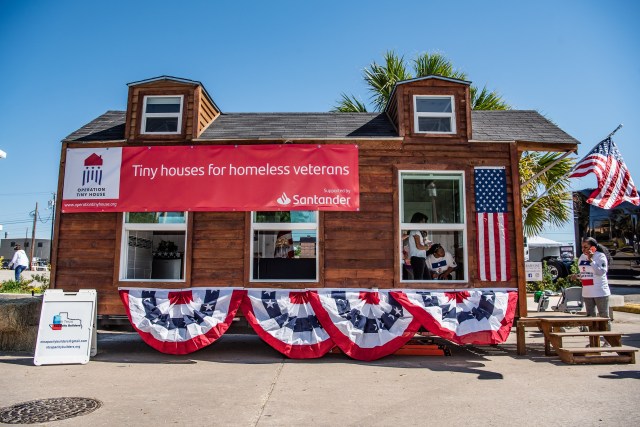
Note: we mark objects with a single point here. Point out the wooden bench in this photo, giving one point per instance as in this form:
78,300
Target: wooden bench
594,353
521,324
551,325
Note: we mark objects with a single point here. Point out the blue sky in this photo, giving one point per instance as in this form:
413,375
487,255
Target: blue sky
63,63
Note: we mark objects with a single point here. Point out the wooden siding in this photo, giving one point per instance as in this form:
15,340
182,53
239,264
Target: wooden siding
136,101
206,111
218,249
86,255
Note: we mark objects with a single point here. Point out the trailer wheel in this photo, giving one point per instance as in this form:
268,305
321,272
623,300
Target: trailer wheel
557,269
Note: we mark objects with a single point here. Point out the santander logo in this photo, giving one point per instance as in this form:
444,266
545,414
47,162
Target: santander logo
283,200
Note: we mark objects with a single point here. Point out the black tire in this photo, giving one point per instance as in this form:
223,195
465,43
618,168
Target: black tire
557,269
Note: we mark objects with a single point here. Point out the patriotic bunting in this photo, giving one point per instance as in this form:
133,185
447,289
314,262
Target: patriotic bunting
285,320
181,321
366,325
464,317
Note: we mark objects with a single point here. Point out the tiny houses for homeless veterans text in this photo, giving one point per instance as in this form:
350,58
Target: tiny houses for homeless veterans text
175,193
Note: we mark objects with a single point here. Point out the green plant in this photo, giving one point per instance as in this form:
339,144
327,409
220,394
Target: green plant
547,283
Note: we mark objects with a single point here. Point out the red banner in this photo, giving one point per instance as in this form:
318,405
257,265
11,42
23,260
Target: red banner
211,178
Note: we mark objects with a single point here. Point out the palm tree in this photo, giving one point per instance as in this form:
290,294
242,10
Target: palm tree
381,80
553,208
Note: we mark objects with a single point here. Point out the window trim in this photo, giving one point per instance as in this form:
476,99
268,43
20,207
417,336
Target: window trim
124,242
283,226
417,115
463,226
145,115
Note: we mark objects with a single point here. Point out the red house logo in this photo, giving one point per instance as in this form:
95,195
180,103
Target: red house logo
92,169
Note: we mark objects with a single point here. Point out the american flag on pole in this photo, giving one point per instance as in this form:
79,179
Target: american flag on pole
614,180
491,215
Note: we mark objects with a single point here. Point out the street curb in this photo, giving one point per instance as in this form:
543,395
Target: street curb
628,308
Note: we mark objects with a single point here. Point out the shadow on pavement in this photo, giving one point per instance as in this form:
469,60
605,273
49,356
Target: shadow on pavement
128,348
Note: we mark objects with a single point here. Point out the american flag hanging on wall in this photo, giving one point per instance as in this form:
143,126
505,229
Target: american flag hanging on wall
491,216
614,180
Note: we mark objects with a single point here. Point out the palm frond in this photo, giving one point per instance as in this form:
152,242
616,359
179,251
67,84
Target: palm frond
349,104
436,64
382,78
486,100
553,208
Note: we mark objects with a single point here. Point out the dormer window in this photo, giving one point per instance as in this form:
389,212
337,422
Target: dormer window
162,115
434,114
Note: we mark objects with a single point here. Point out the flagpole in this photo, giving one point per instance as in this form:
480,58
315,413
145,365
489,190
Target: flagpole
614,131
524,211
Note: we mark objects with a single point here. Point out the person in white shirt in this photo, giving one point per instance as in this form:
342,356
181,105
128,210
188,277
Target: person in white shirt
418,246
440,262
19,261
593,265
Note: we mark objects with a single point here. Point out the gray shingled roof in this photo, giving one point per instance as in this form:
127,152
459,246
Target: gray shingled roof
517,125
511,125
300,125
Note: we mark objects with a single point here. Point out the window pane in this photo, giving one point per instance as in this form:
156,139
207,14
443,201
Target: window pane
434,124
453,244
163,105
433,105
284,255
155,217
161,124
279,217
155,255
436,196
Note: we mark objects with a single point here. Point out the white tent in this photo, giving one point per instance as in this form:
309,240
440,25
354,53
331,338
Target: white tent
540,247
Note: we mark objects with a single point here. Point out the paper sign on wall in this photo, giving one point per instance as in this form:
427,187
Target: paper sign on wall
533,271
67,331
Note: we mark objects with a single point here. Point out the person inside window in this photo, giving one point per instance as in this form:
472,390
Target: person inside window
440,263
418,246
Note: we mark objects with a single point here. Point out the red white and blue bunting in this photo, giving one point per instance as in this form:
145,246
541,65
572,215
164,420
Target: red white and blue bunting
464,317
285,320
181,321
365,324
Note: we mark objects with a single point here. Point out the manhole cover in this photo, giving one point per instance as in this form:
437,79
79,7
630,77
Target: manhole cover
40,411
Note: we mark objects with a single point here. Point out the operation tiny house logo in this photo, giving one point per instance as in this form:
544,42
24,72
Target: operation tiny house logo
60,321
92,169
92,173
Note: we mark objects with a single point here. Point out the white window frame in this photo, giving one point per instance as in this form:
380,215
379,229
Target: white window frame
145,115
124,245
462,226
417,115
283,226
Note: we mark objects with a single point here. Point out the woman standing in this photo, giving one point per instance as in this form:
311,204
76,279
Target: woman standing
593,265
418,248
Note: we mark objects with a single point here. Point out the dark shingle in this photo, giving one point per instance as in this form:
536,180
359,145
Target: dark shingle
511,125
517,125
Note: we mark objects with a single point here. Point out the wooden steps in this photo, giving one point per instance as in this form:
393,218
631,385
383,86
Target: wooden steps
593,354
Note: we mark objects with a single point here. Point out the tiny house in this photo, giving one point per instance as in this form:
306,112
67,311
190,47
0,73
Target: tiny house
174,221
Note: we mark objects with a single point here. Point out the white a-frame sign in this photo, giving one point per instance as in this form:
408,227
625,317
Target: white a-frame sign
67,331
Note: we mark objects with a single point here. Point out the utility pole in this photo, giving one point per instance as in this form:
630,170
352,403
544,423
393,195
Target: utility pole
52,206
33,235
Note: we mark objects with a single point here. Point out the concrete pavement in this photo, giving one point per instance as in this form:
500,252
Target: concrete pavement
241,381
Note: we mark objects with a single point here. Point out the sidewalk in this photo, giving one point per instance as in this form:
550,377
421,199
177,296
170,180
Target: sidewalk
241,381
